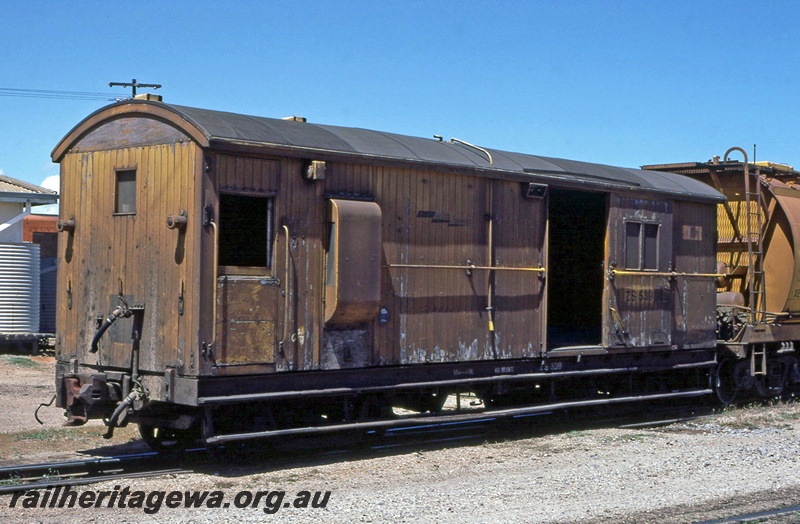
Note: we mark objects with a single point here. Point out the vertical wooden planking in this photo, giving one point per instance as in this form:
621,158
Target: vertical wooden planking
407,196
167,241
193,261
150,251
71,173
695,314
88,254
380,338
171,174
424,281
186,343
517,294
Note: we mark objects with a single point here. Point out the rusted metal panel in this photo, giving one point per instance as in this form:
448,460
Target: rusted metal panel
352,283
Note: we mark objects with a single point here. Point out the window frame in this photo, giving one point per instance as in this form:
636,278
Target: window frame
250,270
648,259
118,172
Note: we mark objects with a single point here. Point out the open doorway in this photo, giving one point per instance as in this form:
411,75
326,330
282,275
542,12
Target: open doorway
576,240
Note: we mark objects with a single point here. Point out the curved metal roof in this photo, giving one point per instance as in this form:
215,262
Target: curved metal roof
220,129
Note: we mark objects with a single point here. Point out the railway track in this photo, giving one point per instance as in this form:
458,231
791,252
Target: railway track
761,516
81,472
281,453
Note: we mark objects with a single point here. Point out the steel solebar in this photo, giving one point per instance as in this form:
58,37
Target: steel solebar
279,395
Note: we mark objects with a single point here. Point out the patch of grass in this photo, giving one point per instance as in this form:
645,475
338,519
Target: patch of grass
287,478
746,425
759,415
52,434
39,434
52,474
23,362
11,481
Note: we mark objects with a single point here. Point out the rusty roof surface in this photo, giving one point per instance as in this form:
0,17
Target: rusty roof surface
223,129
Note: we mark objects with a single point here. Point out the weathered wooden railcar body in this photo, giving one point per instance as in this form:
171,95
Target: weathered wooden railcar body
253,259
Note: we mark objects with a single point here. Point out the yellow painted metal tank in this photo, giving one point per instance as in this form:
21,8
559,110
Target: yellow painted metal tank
781,243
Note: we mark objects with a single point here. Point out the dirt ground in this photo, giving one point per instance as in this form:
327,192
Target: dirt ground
25,383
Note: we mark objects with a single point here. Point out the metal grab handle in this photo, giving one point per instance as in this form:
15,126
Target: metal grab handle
216,276
668,274
286,275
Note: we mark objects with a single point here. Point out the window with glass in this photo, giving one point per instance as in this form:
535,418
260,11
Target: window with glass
125,192
641,245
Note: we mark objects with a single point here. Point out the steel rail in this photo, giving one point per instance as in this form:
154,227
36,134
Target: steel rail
411,431
760,516
78,472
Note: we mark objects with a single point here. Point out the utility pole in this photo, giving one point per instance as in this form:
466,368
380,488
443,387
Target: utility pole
133,84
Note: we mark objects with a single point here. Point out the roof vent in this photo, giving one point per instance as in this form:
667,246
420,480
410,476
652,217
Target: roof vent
295,118
149,96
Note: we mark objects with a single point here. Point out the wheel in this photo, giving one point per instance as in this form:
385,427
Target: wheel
772,384
167,440
725,381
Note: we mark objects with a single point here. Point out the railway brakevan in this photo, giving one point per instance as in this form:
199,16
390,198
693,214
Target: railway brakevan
226,277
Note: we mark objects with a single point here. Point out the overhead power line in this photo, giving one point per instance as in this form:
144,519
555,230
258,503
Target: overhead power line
43,93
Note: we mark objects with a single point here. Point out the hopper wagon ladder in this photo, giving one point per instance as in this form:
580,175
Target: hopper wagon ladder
755,258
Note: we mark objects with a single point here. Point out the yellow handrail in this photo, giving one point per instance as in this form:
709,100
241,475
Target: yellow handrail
668,274
467,267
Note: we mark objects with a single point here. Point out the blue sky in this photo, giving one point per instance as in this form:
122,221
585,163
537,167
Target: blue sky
624,83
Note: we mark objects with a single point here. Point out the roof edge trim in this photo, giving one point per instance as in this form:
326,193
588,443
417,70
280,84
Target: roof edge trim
34,198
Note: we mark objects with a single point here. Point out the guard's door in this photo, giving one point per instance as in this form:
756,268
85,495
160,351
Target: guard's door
575,276
247,292
640,286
